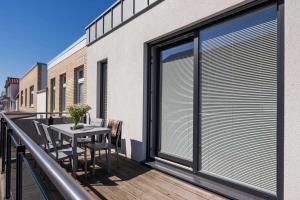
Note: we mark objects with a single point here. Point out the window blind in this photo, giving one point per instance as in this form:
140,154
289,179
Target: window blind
177,102
239,99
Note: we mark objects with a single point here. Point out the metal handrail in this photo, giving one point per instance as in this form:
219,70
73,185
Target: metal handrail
35,113
65,184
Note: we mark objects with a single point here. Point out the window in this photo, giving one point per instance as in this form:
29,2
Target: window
93,33
127,9
99,27
218,115
176,127
31,90
102,90
63,86
22,96
25,97
88,35
152,1
107,22
52,95
140,5
79,85
117,15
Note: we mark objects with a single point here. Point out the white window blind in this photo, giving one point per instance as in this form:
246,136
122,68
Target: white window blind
239,99
177,102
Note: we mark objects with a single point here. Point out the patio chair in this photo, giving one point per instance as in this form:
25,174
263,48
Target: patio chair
40,133
116,131
64,153
45,138
94,122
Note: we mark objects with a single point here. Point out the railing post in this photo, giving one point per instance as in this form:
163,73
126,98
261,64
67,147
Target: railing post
8,164
3,144
1,131
19,171
50,120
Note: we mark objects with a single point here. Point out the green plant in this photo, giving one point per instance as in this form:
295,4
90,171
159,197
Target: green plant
76,112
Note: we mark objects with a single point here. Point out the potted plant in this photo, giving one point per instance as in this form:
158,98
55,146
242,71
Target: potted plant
77,112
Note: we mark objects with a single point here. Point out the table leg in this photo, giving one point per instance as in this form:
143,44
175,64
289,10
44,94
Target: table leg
92,151
75,157
109,153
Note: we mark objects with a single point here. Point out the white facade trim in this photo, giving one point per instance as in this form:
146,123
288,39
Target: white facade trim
76,46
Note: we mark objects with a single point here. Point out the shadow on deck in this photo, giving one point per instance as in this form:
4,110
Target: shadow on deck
132,180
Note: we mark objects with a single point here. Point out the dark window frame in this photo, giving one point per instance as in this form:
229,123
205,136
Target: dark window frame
102,67
52,94
163,47
77,82
31,96
62,85
151,88
22,96
26,97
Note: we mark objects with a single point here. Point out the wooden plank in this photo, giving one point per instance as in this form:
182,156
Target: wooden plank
134,181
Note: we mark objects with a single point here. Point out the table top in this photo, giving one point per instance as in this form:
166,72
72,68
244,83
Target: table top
85,131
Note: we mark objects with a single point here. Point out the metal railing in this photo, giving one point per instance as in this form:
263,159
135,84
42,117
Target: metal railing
64,183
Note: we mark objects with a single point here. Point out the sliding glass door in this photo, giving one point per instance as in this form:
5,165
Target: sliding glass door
176,102
215,101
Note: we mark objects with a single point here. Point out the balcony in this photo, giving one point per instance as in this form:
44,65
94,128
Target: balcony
29,173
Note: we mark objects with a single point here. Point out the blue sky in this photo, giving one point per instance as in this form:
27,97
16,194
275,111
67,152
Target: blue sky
37,30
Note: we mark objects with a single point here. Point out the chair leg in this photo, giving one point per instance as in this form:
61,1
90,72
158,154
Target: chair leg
117,151
106,156
85,163
94,161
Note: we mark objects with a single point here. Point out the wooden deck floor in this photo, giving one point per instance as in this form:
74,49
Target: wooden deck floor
132,180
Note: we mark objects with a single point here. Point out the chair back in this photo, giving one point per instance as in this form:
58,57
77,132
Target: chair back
52,138
116,131
66,120
36,123
41,133
97,122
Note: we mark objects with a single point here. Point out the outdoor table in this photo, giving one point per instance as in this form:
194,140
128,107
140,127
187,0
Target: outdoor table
88,130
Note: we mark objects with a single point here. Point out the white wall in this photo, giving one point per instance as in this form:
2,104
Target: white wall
12,90
124,49
41,102
292,101
17,105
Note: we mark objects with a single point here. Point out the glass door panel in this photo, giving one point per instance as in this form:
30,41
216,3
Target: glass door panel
176,102
239,99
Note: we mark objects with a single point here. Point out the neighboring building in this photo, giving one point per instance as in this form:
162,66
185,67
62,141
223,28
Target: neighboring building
11,90
199,88
31,84
67,77
17,102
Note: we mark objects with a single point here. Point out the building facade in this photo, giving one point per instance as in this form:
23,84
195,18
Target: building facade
206,91
11,91
67,77
32,82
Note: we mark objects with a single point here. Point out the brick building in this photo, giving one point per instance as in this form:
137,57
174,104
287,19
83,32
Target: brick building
67,77
11,90
34,81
